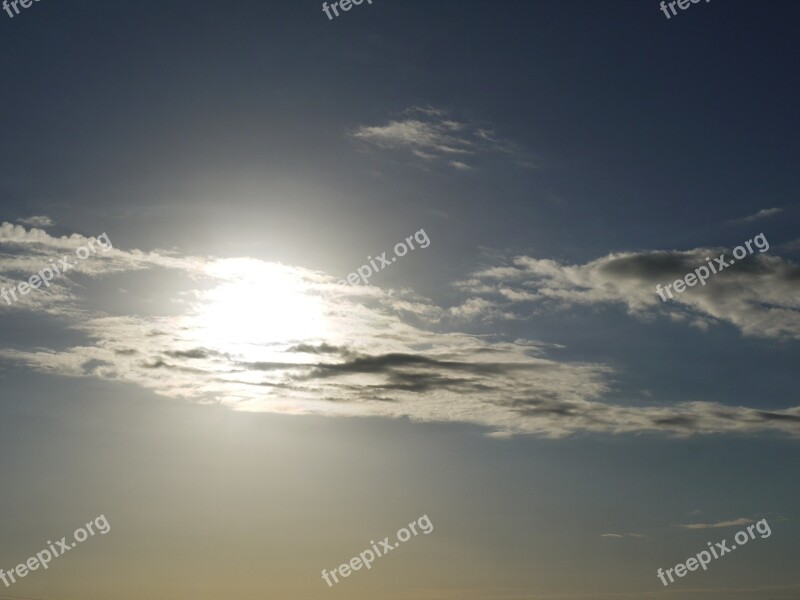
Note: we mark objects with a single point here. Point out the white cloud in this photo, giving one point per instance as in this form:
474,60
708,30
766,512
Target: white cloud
759,294
734,523
37,221
429,134
260,336
26,252
762,214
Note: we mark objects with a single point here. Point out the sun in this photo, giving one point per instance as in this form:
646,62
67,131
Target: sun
257,306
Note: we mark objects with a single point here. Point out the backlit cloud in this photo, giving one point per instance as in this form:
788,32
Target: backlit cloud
431,135
760,294
260,336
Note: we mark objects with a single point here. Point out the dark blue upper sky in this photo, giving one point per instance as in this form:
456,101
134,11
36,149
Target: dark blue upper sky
636,121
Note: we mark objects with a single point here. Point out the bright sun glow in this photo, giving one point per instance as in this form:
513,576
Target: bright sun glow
258,304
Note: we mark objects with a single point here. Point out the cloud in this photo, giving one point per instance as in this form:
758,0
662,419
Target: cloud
759,294
432,136
791,246
734,523
617,535
37,221
193,353
260,336
762,214
26,252
320,349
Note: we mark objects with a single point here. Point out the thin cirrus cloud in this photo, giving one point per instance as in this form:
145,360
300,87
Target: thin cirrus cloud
733,523
431,135
36,221
762,214
259,336
760,295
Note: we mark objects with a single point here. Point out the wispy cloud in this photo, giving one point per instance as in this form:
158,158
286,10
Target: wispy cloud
762,214
791,246
431,135
622,535
36,221
734,523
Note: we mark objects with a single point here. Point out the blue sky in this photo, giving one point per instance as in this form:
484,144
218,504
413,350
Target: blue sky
244,420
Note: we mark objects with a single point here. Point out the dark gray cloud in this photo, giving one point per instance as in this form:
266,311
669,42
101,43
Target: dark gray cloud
387,362
193,353
318,349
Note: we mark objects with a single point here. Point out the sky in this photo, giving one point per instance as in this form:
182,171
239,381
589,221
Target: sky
276,285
